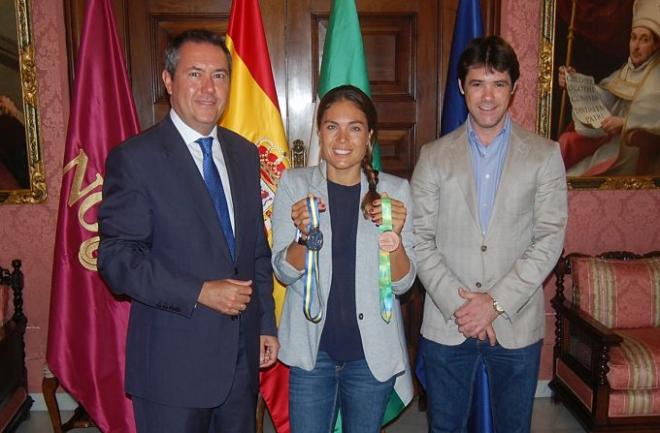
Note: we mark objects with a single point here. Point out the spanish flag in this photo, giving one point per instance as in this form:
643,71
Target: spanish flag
254,113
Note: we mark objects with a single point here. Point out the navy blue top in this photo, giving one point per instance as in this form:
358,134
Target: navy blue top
341,336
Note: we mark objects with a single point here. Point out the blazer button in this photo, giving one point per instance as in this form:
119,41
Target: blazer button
360,316
478,285
484,248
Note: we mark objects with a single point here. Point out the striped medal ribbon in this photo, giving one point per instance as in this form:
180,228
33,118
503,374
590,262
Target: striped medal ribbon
388,241
311,276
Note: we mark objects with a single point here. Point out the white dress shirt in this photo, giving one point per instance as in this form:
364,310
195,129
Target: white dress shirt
189,136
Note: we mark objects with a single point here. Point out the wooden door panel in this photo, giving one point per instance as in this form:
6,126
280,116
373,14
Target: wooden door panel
400,40
407,48
152,24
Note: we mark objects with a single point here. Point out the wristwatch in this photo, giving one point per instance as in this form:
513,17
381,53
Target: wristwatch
313,241
498,308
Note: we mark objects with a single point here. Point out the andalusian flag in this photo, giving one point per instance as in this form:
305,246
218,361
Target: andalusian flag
343,63
254,113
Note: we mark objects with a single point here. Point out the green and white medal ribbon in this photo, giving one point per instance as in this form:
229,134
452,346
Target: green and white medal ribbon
388,241
311,277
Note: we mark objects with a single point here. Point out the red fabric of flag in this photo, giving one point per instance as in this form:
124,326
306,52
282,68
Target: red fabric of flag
87,329
254,113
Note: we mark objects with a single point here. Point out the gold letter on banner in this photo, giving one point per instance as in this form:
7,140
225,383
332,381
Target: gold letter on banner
87,250
80,163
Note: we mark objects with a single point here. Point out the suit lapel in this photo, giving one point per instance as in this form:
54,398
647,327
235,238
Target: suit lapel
517,149
464,173
193,187
319,188
233,165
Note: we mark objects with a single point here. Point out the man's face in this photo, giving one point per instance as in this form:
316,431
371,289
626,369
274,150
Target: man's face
200,86
487,96
643,43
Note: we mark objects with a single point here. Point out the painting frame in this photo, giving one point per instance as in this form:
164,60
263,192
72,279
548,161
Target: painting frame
547,76
35,191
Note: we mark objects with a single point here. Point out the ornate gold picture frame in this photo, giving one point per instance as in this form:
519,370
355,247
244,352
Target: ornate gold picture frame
560,39
22,177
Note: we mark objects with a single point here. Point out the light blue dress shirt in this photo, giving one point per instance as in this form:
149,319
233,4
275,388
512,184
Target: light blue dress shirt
487,167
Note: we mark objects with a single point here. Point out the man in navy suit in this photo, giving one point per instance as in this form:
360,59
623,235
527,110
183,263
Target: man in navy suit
182,234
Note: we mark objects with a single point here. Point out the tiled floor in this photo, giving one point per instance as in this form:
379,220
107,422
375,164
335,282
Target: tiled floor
548,418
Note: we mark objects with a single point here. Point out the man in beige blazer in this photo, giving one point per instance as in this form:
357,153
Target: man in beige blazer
490,212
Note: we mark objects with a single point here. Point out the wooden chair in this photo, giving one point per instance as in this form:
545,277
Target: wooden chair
79,419
607,351
15,402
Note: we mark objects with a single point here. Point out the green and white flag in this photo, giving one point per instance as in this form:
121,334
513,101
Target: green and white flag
343,63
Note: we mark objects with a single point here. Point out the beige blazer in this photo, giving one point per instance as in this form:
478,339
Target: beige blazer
523,242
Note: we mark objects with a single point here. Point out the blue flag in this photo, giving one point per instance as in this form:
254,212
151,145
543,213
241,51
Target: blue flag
454,112
467,27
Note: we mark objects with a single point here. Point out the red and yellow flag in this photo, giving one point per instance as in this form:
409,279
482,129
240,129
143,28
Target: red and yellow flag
254,113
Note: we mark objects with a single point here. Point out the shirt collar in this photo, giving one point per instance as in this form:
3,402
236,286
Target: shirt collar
475,142
188,134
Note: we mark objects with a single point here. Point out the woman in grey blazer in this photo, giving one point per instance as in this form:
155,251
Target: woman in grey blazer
341,330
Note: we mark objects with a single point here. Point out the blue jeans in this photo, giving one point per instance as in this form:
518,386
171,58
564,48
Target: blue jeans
450,375
316,396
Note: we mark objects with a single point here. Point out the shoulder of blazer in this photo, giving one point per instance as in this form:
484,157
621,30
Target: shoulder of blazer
236,141
163,133
531,140
453,141
300,178
390,181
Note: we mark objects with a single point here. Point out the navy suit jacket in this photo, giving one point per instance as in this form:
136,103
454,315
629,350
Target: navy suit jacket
160,240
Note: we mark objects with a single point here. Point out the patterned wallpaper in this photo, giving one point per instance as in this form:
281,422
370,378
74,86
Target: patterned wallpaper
27,232
599,220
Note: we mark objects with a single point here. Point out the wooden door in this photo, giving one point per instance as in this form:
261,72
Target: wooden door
401,47
407,46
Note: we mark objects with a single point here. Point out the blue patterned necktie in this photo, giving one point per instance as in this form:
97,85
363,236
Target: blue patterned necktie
217,193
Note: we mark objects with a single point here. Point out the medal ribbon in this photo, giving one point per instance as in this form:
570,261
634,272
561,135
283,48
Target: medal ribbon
384,268
311,274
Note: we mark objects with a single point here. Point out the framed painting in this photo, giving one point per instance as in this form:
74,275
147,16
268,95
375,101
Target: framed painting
614,46
22,178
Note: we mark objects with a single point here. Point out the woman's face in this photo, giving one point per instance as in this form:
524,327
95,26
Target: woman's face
344,136
643,43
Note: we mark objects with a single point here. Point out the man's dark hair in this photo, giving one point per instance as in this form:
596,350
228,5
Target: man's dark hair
172,53
493,53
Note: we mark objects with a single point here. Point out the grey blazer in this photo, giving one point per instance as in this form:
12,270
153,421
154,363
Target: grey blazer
524,238
384,344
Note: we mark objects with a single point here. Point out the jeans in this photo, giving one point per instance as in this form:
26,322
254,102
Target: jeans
450,376
316,397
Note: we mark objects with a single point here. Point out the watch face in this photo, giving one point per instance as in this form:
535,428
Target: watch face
315,239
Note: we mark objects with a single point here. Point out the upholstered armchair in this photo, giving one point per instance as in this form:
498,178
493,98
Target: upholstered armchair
607,351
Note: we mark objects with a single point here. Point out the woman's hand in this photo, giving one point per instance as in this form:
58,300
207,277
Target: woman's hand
399,213
300,214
